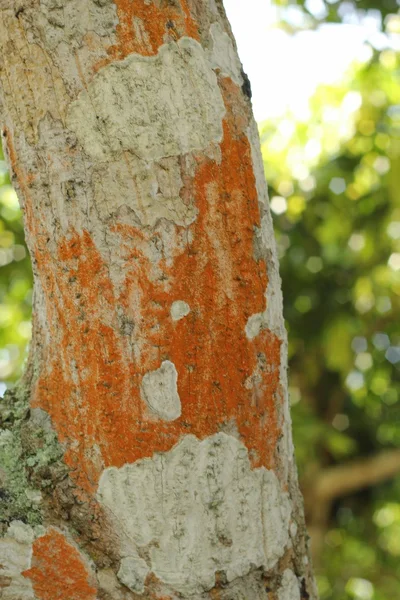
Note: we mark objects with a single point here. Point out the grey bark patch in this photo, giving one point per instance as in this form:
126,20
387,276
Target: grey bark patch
110,587
160,392
158,106
197,510
132,573
255,324
71,19
151,190
290,587
223,55
21,532
15,557
29,67
179,309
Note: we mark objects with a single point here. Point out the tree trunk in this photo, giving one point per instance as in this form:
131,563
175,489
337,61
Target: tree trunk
147,450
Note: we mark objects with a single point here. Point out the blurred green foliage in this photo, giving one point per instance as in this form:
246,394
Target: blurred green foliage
335,190
15,284
311,13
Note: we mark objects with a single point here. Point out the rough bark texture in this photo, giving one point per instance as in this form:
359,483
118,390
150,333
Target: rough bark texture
147,452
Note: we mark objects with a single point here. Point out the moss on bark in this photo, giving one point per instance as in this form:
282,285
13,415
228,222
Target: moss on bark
30,459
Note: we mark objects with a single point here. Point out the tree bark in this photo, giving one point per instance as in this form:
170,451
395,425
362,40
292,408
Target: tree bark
147,451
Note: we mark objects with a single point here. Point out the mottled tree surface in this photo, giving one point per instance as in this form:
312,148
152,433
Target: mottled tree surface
147,450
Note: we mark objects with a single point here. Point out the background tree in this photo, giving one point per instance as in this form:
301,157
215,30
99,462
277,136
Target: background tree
334,190
147,449
317,12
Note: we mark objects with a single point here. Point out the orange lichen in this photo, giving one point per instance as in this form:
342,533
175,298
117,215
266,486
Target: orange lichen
144,26
110,336
58,571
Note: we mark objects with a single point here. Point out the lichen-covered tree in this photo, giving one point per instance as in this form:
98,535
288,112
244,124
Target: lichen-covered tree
147,451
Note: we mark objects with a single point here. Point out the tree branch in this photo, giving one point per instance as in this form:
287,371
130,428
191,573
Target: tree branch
343,479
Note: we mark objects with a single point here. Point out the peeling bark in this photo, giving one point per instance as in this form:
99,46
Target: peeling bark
152,424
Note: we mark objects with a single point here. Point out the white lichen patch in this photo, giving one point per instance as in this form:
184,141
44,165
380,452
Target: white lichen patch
15,557
151,191
277,513
21,532
28,67
160,392
158,106
70,20
223,56
265,241
196,510
274,303
272,317
255,324
133,572
179,309
289,588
